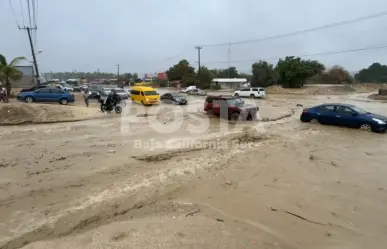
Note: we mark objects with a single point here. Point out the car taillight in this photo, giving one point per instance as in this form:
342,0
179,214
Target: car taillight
305,110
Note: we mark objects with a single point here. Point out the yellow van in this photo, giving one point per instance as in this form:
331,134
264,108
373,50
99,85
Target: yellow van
144,95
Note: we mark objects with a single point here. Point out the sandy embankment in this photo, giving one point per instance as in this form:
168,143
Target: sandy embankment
21,113
328,89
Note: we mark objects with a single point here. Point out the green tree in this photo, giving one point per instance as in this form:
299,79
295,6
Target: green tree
230,72
374,73
263,74
182,72
206,77
246,76
293,71
313,67
9,71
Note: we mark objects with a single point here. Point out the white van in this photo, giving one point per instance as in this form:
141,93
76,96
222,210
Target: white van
253,92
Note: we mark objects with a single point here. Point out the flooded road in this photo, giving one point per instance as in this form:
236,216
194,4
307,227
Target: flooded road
277,183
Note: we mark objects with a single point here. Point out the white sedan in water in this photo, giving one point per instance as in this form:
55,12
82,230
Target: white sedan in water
197,91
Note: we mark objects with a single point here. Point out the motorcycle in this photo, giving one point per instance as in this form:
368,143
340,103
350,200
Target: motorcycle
117,107
3,97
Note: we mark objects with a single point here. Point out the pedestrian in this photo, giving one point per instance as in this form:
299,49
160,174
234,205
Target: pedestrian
86,96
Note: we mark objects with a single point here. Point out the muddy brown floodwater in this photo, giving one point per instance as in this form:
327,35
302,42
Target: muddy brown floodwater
125,183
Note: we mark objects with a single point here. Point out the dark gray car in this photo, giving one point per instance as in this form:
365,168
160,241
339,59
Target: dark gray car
174,98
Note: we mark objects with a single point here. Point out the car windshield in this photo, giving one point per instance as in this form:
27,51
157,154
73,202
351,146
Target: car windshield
93,88
150,93
359,110
235,102
177,95
119,90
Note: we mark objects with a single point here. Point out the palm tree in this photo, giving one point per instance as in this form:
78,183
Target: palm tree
9,71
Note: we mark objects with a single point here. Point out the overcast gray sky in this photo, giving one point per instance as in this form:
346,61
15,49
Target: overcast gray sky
147,36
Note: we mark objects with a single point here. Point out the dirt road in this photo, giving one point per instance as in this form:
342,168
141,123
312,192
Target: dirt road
121,183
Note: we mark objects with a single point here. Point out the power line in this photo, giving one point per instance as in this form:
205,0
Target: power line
22,11
363,18
34,18
306,55
13,11
29,12
33,14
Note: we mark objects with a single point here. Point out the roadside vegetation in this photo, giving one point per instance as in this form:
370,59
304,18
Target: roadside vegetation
8,72
289,72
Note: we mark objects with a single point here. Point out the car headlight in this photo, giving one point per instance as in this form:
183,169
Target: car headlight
381,122
146,99
89,92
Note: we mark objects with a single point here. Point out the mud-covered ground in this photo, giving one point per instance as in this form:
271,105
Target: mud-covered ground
148,181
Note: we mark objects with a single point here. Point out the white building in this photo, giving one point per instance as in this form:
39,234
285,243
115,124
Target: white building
229,83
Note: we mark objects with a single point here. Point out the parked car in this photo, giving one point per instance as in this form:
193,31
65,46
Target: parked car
231,107
104,91
32,88
344,115
122,93
94,91
188,89
66,87
47,95
84,86
197,91
75,85
254,92
174,98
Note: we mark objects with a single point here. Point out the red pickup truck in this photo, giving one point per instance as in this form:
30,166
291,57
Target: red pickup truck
230,107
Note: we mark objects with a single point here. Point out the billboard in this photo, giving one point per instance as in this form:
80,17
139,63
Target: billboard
162,76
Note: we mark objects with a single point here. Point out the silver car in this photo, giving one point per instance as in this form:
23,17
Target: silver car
197,91
122,93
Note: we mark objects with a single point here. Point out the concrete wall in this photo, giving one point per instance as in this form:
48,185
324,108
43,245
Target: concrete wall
27,80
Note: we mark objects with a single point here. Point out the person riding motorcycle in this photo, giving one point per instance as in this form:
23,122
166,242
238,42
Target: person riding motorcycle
111,100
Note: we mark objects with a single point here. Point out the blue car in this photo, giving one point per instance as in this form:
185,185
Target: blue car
344,115
47,95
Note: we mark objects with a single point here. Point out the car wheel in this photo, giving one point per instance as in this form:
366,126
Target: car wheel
234,117
236,95
314,121
29,99
252,96
366,127
118,109
63,101
143,103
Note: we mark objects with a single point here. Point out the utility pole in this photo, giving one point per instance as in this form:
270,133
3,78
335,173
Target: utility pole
118,75
33,54
198,75
98,74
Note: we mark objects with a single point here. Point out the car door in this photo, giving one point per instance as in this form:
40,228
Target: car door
42,95
56,95
244,92
255,91
345,116
167,98
326,114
